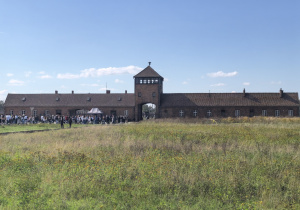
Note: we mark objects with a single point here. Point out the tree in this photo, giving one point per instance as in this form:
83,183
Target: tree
1,106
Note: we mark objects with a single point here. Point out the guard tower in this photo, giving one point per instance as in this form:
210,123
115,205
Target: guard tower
148,87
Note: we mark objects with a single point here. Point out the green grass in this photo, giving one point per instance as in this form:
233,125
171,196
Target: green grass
220,164
34,127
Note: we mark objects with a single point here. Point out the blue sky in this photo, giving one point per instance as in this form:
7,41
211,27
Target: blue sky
197,46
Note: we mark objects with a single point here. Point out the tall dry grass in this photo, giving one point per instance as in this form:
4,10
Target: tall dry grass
162,164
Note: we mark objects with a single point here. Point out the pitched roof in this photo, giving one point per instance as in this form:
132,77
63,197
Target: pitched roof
74,100
148,72
229,99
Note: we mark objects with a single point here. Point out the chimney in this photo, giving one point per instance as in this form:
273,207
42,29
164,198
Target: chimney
56,92
244,92
107,91
125,91
149,63
281,93
72,91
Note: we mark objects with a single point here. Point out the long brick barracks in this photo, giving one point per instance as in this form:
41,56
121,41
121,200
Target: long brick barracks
148,88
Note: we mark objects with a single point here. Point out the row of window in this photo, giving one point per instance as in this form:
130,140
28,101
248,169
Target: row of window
237,113
147,80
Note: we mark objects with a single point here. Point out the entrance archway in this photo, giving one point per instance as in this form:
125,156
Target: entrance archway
148,111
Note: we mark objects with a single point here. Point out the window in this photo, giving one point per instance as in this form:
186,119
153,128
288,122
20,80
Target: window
58,112
237,113
290,113
46,112
23,112
141,81
153,94
11,112
145,81
34,113
264,113
277,113
156,80
181,112
209,113
195,113
126,112
139,94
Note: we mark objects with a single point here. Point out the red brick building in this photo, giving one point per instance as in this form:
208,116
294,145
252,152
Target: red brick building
148,88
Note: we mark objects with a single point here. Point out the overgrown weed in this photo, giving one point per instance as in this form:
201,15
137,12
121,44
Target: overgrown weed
221,164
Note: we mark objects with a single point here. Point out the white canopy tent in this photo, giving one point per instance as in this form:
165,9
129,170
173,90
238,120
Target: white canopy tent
95,111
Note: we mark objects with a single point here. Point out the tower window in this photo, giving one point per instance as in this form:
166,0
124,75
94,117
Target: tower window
153,94
139,94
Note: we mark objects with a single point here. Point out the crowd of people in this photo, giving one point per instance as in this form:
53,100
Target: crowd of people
62,119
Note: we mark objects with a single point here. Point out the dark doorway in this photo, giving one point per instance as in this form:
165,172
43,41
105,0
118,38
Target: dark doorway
223,113
113,113
251,114
72,112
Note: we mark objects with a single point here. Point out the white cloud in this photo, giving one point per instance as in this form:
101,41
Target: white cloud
118,81
222,74
276,83
3,91
218,85
3,94
92,72
28,73
90,85
184,82
14,82
246,83
42,72
9,74
45,76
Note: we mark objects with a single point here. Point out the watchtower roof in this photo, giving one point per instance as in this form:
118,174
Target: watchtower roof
148,72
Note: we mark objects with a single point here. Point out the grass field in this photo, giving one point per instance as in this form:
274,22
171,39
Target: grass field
34,127
246,163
